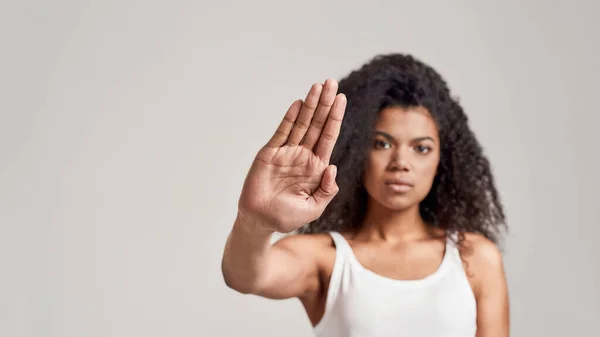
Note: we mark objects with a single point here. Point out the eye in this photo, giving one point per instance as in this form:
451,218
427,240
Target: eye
381,144
423,149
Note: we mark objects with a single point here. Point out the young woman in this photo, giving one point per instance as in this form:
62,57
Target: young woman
395,209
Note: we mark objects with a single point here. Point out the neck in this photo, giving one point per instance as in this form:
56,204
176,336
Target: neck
384,224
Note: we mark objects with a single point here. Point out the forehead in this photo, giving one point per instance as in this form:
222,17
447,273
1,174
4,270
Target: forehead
406,121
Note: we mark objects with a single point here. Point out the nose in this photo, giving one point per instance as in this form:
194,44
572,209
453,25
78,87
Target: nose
399,162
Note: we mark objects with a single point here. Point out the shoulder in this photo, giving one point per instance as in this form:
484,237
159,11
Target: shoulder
317,239
317,250
483,260
486,274
306,244
481,250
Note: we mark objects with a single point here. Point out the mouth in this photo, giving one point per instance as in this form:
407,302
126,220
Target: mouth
399,185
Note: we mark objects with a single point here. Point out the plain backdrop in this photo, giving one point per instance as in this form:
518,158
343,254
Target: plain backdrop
127,127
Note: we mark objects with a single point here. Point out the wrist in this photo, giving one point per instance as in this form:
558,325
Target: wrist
252,226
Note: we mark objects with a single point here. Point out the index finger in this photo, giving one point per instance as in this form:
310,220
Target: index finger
285,126
331,130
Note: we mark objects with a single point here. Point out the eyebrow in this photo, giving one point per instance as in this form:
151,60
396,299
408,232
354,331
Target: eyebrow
389,137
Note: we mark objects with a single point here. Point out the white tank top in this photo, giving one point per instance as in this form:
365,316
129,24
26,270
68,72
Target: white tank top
362,303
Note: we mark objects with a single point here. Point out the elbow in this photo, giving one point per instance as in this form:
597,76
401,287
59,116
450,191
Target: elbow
238,286
238,283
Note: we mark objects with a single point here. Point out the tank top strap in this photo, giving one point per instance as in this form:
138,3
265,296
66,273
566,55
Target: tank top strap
336,281
341,244
454,248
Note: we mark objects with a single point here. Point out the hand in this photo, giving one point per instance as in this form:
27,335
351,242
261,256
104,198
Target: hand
290,182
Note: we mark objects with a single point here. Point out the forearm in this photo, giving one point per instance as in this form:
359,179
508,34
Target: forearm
245,254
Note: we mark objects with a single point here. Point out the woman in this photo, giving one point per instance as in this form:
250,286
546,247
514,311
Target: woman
397,215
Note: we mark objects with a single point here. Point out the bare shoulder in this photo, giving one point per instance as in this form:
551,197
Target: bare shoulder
305,241
307,245
483,261
317,253
481,251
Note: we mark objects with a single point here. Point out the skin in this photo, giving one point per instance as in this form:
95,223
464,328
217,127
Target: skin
406,145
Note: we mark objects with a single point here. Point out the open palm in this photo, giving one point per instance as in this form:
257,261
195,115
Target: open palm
291,181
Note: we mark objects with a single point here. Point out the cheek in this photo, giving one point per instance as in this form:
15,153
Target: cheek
375,165
374,169
428,169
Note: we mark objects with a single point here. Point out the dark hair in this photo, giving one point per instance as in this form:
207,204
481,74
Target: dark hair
463,197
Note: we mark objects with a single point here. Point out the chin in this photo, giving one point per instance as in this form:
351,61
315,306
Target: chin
397,203
398,207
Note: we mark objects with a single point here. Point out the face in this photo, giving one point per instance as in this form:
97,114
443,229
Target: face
403,158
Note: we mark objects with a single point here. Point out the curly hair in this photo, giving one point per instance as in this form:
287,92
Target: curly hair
463,197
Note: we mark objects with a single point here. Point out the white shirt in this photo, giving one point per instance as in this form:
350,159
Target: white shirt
361,303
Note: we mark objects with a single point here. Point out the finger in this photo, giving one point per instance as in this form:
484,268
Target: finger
320,118
306,115
328,188
287,123
332,128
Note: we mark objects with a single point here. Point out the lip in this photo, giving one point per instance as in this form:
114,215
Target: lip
399,182
399,185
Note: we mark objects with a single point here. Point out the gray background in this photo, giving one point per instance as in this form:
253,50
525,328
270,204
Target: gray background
126,129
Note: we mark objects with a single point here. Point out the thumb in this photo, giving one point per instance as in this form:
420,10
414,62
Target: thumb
328,188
